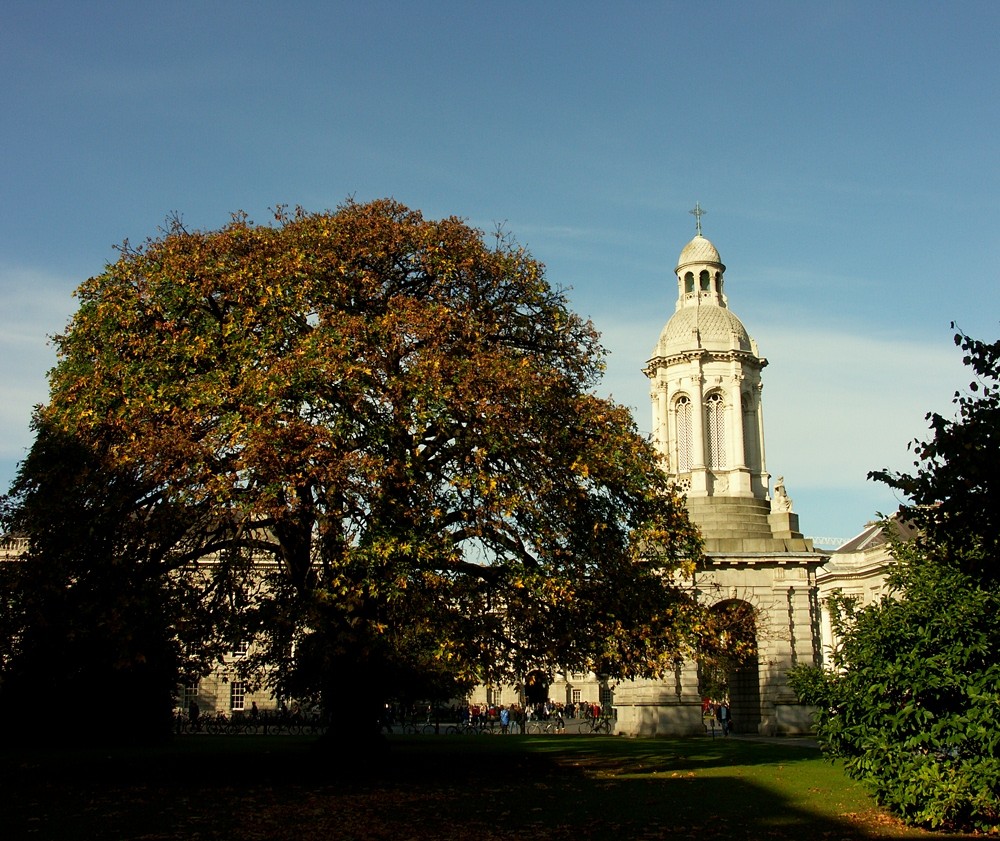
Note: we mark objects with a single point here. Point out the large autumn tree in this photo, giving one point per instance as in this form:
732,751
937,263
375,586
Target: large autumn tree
398,423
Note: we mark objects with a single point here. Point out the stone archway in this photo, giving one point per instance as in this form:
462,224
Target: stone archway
731,673
536,688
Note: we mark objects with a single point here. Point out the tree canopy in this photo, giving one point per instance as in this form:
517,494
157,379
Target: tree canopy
954,493
398,424
910,703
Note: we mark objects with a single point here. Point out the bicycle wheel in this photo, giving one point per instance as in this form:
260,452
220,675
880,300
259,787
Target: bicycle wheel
535,727
428,730
451,730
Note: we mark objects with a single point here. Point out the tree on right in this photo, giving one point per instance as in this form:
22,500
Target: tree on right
911,700
954,491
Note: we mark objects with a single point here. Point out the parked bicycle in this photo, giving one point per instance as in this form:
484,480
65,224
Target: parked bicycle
553,724
595,726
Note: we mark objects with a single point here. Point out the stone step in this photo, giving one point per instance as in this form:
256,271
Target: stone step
728,503
740,545
733,522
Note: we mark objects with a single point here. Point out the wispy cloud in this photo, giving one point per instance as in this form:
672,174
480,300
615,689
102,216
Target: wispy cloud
37,305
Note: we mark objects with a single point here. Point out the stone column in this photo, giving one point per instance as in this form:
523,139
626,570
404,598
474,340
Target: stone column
760,438
699,478
740,483
662,420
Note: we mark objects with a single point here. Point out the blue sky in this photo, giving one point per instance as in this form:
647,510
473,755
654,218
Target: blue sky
846,153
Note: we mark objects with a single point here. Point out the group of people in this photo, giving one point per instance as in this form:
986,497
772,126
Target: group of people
516,716
510,718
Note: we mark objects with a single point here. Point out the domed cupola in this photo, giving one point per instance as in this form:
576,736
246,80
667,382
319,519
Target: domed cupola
705,384
699,250
700,272
702,318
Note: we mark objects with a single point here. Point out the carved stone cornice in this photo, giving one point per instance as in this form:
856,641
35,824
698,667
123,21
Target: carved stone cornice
705,356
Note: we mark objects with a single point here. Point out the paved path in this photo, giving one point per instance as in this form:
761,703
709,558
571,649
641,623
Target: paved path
798,741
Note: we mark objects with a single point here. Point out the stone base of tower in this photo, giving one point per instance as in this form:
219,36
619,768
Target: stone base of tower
745,524
659,720
673,707
759,560
686,720
669,707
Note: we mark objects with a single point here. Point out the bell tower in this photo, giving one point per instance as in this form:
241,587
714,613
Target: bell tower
708,427
707,411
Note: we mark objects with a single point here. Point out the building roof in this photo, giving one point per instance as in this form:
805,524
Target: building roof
699,250
873,535
710,326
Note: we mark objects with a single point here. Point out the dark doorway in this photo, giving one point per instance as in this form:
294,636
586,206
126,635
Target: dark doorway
744,697
536,688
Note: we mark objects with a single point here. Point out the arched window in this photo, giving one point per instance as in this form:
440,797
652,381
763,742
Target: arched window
704,279
716,417
685,434
689,282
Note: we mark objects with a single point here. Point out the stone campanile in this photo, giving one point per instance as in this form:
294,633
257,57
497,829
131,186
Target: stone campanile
708,427
707,411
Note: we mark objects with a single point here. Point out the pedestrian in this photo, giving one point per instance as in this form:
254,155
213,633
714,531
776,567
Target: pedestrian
722,714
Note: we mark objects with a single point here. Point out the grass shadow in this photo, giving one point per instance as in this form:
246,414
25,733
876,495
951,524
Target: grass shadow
459,788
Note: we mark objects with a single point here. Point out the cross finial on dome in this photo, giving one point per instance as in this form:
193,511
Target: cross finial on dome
697,213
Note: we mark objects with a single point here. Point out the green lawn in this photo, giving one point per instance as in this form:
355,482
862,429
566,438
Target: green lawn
478,788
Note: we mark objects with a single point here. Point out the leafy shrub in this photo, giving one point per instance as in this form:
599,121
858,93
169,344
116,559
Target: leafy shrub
911,704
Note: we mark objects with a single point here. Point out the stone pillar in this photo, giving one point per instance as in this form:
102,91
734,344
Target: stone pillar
792,623
662,420
760,440
699,478
740,484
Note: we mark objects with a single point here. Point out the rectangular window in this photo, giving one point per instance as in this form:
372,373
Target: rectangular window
237,695
190,694
576,696
241,648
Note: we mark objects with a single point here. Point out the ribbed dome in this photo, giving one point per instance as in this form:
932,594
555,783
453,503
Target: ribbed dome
699,250
715,326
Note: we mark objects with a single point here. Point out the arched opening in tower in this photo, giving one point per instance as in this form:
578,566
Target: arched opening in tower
536,688
728,666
